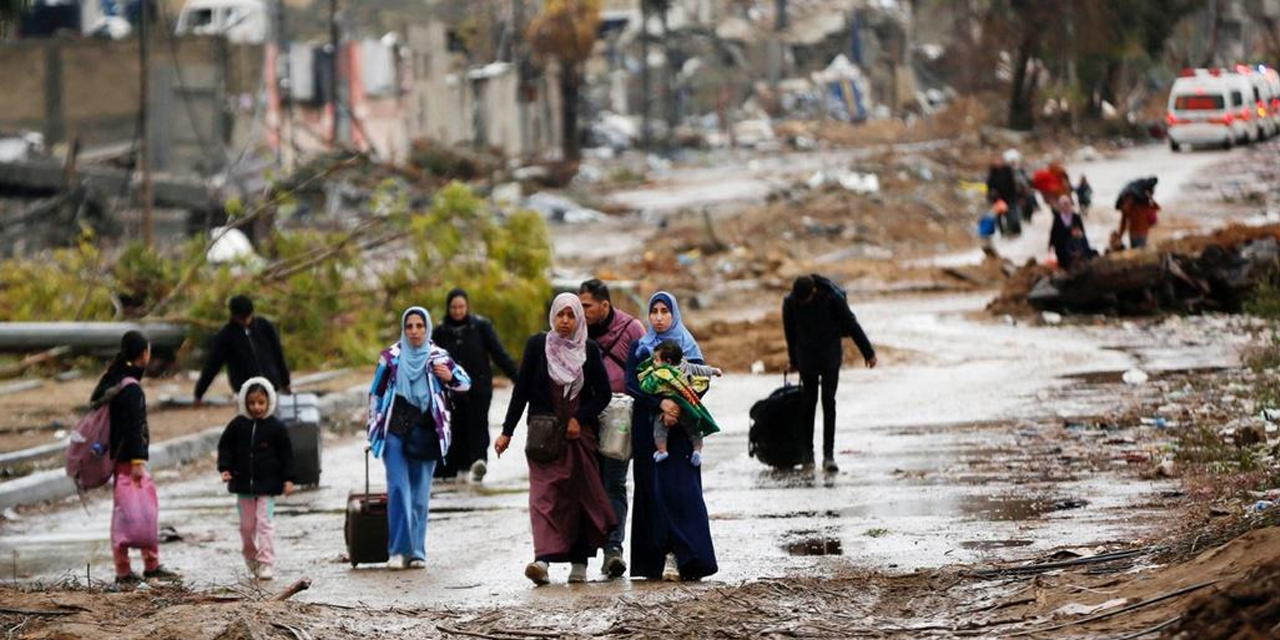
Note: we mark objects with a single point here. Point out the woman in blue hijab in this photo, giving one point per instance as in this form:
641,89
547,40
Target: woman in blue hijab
409,429
670,529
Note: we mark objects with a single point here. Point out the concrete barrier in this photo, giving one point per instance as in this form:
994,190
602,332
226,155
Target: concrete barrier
53,484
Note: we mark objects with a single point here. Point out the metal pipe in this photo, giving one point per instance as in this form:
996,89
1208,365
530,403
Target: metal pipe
30,336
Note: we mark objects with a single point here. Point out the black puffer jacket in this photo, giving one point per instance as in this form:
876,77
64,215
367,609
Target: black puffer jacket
250,352
258,453
472,343
815,329
130,435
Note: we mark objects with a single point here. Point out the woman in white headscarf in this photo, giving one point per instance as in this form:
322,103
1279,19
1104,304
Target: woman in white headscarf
409,429
562,374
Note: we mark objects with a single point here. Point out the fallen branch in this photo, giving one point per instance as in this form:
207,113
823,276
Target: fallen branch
293,590
473,634
39,612
1150,630
1050,566
530,634
1139,605
201,259
21,366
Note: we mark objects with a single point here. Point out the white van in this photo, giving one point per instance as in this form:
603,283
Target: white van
1261,105
1243,107
246,21
1273,81
1201,112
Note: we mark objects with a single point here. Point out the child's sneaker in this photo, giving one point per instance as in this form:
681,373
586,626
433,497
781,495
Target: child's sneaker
161,573
251,565
659,456
696,459
578,573
265,572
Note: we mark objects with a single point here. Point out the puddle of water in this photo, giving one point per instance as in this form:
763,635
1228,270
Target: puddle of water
812,543
1117,377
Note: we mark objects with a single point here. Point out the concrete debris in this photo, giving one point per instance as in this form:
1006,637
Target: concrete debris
561,210
231,245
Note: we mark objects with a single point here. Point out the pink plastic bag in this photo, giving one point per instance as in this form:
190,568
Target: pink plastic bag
136,513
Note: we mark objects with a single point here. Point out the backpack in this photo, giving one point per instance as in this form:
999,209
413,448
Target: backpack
90,461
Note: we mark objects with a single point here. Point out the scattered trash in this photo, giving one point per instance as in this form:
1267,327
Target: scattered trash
1261,505
852,181
1079,609
1135,377
1051,318
1165,470
757,367
559,209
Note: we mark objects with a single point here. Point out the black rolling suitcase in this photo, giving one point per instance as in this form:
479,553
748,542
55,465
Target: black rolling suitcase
300,413
774,438
366,526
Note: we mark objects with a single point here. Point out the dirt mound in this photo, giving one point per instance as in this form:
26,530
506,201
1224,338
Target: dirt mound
1216,272
1249,609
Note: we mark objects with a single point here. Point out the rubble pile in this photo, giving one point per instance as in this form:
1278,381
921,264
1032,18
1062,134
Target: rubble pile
1217,272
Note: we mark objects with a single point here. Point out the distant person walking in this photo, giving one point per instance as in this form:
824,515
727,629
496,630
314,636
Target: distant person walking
130,445
1002,187
249,346
816,317
564,384
1138,211
670,529
1067,238
614,331
409,429
472,342
1084,195
255,459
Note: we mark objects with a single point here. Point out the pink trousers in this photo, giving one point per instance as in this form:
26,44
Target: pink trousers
257,532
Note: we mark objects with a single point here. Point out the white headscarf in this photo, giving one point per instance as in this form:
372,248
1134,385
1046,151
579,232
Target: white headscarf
565,356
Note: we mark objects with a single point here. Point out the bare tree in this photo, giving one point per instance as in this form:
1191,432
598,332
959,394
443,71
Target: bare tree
565,30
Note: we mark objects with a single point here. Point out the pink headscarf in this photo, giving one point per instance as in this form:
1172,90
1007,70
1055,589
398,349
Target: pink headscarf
565,356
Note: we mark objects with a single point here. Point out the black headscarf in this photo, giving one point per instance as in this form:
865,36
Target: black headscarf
132,345
448,300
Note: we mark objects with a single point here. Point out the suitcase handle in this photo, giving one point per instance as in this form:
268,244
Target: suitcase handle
366,474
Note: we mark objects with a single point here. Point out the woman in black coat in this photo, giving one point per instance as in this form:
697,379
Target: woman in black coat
1067,237
472,342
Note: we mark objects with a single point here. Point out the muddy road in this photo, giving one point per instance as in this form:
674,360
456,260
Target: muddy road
940,449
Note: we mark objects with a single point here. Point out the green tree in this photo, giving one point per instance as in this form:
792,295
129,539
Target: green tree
565,31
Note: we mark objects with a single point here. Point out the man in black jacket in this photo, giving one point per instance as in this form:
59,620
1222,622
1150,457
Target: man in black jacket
816,316
249,346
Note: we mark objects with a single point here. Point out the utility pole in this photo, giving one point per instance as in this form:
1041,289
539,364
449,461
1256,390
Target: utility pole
144,127
284,86
646,111
335,45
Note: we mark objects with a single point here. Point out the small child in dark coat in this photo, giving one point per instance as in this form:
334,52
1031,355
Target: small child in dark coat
256,461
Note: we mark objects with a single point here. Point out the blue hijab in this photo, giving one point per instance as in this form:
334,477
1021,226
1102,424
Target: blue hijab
677,331
411,371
